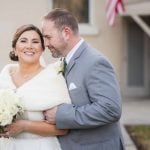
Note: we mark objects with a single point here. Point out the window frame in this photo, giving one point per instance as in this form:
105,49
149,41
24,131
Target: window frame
89,28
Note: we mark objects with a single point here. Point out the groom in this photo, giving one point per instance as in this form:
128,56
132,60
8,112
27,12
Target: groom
93,117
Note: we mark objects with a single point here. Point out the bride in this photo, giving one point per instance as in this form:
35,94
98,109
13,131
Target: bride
39,88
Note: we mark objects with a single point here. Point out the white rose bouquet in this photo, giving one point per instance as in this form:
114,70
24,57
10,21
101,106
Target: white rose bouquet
10,107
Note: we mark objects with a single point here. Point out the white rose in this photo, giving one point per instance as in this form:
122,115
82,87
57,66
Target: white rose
5,118
10,105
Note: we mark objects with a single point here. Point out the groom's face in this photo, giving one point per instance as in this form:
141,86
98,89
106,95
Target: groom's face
53,38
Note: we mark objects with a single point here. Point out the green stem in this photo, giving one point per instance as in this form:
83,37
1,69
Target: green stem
1,129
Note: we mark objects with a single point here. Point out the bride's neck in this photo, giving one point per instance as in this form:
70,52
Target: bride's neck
25,69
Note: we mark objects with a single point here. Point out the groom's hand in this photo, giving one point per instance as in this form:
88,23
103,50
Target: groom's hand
50,115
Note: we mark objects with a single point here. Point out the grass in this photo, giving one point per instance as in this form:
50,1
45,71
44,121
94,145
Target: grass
140,134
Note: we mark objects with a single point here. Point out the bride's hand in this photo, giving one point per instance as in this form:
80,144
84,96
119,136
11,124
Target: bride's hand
63,132
50,115
5,135
15,128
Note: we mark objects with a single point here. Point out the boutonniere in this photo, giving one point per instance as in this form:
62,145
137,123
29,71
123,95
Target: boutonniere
59,66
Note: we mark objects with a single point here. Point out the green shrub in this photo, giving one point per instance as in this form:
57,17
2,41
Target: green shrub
140,134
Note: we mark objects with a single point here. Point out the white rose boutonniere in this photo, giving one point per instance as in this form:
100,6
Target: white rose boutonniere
59,65
10,106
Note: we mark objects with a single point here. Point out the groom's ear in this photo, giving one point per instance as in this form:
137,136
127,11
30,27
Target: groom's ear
66,32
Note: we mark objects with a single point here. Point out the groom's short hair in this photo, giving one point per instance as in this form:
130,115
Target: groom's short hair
61,18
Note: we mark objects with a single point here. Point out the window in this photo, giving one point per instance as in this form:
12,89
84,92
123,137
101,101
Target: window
84,12
77,7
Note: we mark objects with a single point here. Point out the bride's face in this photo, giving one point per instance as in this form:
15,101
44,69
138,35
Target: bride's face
28,47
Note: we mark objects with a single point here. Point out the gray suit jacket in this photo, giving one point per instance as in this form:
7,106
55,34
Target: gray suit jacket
96,104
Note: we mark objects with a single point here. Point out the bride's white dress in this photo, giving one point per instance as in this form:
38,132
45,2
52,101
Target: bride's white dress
45,90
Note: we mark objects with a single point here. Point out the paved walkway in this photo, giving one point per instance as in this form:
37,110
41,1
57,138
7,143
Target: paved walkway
135,111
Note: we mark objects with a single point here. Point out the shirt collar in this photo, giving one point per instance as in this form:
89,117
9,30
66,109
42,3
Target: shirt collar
72,52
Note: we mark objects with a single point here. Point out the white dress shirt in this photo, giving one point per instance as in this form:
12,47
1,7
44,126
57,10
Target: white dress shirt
72,52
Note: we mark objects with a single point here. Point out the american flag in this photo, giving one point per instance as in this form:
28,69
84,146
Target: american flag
114,7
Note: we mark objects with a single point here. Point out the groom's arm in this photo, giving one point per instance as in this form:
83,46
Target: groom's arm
104,95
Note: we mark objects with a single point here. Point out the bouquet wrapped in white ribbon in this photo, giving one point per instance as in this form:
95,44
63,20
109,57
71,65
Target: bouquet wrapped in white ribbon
10,107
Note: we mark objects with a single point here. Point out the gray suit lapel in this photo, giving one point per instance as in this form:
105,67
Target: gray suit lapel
75,56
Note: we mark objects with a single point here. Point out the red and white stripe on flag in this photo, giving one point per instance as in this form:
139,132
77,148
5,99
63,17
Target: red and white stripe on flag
113,8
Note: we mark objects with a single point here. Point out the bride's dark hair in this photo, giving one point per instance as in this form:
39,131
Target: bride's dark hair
18,33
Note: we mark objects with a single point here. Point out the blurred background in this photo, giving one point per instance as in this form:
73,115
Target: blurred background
126,43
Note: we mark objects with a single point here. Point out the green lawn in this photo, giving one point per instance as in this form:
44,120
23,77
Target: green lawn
140,134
